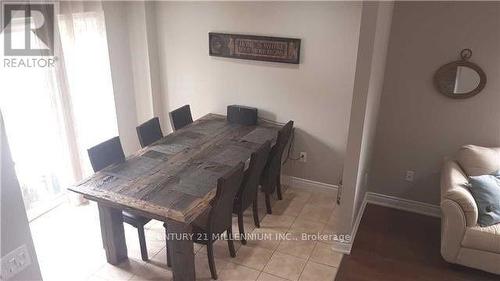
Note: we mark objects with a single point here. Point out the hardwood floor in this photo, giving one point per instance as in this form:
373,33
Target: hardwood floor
393,245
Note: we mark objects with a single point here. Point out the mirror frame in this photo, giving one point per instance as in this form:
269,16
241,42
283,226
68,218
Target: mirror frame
465,54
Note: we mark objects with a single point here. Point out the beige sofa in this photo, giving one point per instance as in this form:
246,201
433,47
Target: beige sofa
463,241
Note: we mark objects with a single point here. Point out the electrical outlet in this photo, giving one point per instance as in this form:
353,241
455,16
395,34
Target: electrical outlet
15,262
303,157
410,176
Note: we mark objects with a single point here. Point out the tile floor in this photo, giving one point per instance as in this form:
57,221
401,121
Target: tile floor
69,247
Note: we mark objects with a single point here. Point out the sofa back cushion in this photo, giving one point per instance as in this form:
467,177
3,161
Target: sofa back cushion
477,160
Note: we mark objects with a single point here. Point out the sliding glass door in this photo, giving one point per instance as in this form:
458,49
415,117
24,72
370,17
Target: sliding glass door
54,114
34,126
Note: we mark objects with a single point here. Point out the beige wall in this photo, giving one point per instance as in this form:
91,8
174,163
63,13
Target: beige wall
133,54
316,94
122,74
419,127
370,68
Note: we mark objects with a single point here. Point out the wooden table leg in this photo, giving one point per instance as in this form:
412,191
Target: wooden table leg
179,237
113,234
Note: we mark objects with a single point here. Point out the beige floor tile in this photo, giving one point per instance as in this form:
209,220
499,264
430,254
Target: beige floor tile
297,247
82,224
159,260
252,257
225,270
297,194
155,241
248,225
203,270
248,214
276,222
264,238
330,234
234,272
121,272
306,226
314,272
324,254
288,207
268,277
285,266
323,198
334,217
314,212
221,249
151,272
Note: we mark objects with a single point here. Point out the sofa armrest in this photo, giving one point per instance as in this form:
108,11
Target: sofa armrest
453,226
453,187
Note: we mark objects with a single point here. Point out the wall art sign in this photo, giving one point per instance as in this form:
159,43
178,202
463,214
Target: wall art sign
252,47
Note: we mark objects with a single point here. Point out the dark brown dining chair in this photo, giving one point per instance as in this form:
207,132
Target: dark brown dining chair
108,153
247,194
270,180
181,117
218,219
149,132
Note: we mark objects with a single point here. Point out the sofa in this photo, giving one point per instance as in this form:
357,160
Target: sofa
463,241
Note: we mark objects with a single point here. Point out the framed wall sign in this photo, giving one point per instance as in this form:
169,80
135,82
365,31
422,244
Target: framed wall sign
252,47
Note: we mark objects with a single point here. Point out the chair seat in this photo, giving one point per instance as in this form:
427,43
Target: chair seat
483,238
134,219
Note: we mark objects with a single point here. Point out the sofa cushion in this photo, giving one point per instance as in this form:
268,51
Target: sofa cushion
477,160
454,186
483,238
486,192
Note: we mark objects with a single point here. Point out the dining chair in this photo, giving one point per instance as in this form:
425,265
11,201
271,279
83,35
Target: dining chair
271,176
149,132
181,117
108,153
218,219
247,194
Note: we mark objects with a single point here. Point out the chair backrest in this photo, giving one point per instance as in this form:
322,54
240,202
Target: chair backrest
272,169
149,132
220,217
181,117
106,153
248,189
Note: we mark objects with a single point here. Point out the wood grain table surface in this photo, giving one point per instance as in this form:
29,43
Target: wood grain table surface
176,177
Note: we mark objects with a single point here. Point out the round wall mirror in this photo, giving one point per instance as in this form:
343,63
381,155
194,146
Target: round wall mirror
460,79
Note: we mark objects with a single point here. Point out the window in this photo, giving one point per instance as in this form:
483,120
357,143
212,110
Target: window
53,114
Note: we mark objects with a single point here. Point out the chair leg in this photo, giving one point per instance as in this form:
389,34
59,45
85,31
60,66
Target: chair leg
268,204
241,228
211,262
230,242
255,211
169,248
142,243
278,187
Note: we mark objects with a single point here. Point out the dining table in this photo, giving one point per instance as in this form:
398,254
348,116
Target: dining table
172,180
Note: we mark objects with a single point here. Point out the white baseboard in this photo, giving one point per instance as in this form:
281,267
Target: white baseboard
370,197
347,246
307,184
342,247
390,202
403,204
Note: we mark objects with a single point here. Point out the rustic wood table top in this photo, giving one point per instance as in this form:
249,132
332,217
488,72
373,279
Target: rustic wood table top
176,177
